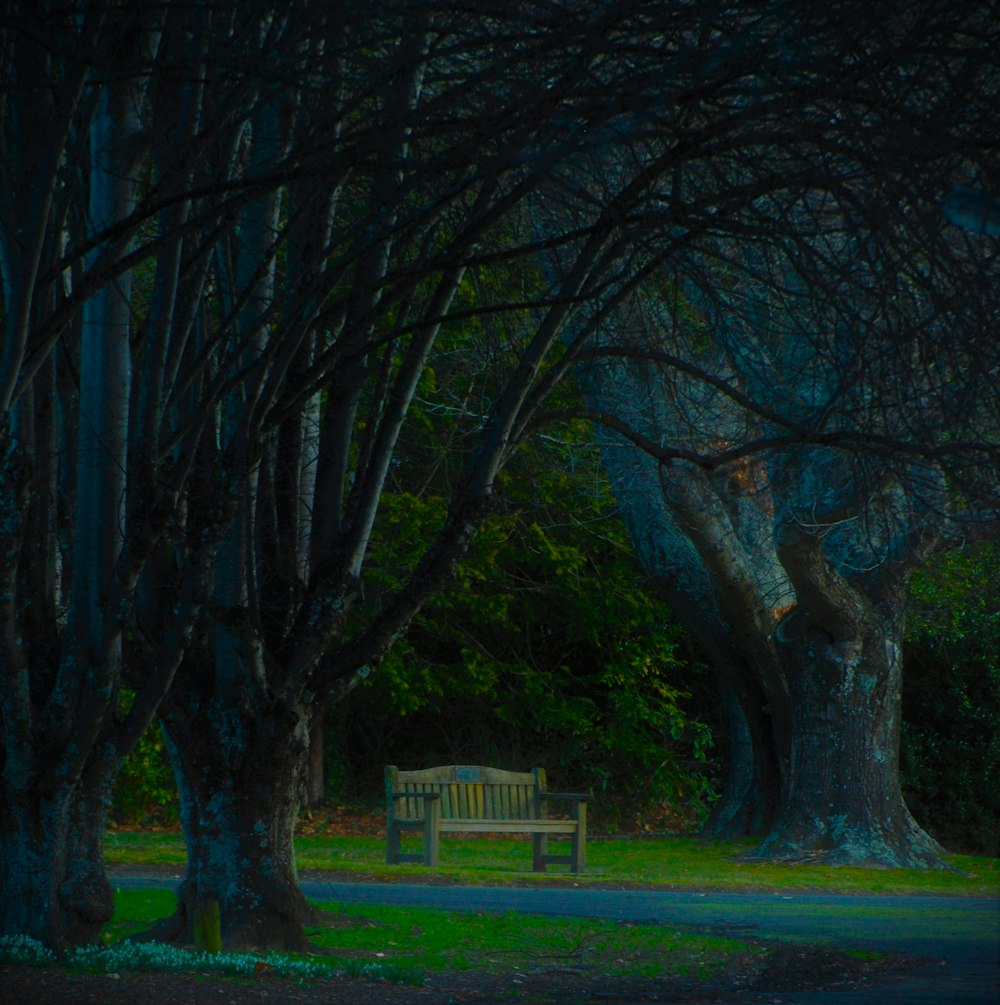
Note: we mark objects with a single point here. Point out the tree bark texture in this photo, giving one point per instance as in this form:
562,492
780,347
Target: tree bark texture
241,776
843,803
53,886
751,792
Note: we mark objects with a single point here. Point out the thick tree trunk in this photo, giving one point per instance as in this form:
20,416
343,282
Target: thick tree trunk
53,887
843,803
33,831
240,780
86,893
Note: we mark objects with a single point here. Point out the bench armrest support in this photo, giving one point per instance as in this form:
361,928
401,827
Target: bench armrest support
430,827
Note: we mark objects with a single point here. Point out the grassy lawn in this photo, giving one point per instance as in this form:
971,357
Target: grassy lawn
425,940
668,862
403,944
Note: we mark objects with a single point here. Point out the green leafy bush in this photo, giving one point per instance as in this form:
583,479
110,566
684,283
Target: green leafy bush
950,754
545,650
145,791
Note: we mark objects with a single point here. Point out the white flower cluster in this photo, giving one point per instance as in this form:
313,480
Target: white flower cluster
157,956
22,949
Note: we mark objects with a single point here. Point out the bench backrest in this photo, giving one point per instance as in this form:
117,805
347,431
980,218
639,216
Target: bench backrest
468,791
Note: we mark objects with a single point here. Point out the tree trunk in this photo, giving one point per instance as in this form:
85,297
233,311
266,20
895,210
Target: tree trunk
751,794
33,833
54,888
843,803
316,777
240,779
86,893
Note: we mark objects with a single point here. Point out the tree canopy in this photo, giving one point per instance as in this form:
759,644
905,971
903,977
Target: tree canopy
238,241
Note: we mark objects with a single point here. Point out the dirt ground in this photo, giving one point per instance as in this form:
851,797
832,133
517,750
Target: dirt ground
785,969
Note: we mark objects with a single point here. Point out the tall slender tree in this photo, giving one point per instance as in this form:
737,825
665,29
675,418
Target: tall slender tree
428,196
116,182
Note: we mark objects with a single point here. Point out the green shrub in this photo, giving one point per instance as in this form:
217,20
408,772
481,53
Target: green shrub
545,650
145,791
950,752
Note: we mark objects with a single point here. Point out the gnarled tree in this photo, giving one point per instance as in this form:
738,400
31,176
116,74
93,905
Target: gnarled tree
795,439
802,404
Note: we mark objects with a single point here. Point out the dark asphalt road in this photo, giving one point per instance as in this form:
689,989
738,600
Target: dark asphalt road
958,936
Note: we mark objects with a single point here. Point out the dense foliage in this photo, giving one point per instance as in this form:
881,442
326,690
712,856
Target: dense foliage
546,650
951,701
145,790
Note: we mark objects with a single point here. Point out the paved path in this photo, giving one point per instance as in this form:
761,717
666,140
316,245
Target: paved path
958,936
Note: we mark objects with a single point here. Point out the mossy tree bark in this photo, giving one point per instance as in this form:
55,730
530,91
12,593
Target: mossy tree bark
242,772
52,874
841,650
48,895
843,803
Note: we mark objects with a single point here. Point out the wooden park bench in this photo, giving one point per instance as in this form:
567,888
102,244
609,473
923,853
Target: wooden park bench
472,799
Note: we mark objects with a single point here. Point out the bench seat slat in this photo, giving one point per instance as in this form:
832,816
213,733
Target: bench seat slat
458,824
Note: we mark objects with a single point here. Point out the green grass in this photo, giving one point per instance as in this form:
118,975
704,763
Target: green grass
668,862
408,941
438,940
137,910
402,944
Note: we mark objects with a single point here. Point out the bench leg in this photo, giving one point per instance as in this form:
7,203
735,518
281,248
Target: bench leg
432,831
578,849
540,850
392,840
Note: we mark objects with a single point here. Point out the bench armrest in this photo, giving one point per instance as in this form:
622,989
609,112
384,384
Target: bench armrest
577,796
